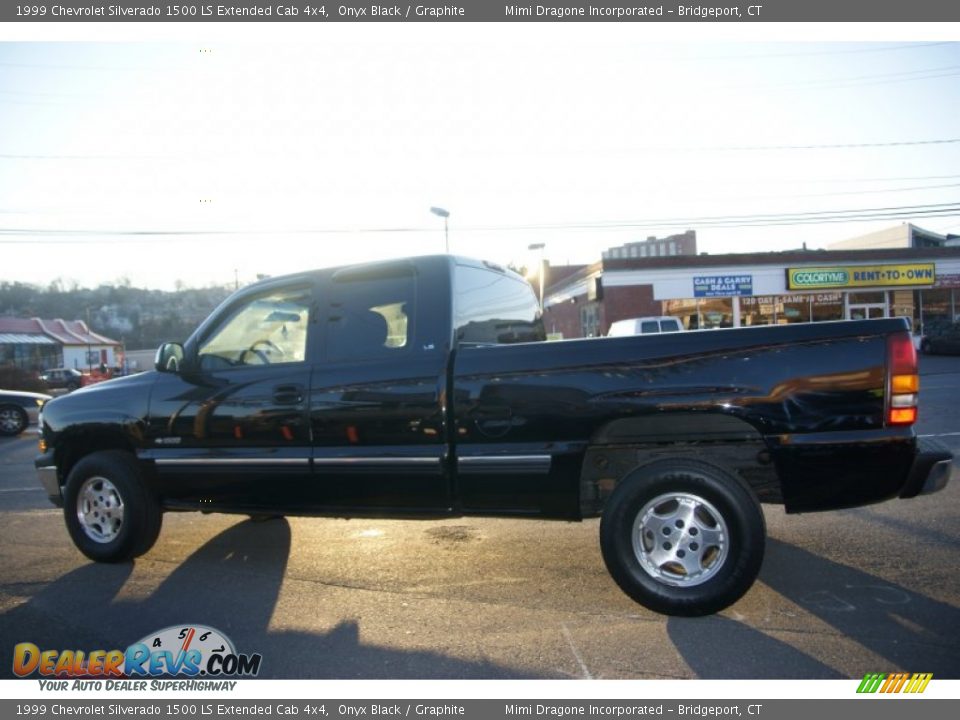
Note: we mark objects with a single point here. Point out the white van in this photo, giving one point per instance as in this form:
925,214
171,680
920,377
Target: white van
645,326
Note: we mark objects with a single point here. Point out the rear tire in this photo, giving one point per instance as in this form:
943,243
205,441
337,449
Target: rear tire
13,420
925,347
110,512
683,537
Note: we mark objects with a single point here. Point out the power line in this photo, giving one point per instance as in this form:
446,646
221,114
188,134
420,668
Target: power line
814,53
851,81
834,146
748,220
722,148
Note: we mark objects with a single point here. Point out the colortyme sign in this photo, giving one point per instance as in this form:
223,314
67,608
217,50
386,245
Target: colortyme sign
722,285
860,276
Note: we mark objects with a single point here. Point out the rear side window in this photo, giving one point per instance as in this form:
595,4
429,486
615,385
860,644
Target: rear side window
371,317
493,308
670,326
649,326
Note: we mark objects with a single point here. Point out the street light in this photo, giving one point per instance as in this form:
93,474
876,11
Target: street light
445,214
542,270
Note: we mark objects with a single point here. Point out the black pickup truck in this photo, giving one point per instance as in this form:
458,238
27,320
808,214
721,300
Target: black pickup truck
424,388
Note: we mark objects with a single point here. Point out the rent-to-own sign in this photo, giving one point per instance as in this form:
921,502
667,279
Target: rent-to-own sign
722,285
860,276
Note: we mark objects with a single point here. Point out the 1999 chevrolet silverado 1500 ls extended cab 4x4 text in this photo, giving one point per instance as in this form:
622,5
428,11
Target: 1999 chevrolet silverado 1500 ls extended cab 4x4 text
423,388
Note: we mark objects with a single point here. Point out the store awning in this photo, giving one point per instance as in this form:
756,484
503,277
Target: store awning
25,339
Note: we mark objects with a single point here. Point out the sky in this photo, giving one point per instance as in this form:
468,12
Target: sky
197,161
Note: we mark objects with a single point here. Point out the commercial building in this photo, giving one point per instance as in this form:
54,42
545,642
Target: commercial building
23,344
37,344
905,235
742,290
680,244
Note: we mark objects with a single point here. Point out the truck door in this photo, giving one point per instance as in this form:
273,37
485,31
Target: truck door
377,399
232,428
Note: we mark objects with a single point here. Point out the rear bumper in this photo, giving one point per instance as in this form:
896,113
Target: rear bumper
931,470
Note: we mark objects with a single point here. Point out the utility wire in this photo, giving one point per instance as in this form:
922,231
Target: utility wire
754,220
722,148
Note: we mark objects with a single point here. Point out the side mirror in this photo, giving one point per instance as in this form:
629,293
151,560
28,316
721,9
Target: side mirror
169,358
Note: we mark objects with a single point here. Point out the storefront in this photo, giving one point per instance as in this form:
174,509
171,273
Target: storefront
720,291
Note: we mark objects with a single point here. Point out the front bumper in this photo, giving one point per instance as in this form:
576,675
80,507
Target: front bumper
49,478
931,470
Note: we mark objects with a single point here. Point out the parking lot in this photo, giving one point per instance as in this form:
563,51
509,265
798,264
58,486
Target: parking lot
868,590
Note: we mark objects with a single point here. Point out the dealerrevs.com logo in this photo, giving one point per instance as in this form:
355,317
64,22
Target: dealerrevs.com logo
180,650
894,682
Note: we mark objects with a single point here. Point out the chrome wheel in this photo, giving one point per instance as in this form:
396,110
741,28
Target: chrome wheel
12,421
680,539
100,509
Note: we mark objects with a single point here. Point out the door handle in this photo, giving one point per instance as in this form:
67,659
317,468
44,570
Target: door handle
493,421
288,394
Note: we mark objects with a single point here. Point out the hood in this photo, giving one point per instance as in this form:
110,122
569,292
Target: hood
130,381
24,394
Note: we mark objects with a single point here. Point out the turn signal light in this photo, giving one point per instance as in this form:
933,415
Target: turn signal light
904,384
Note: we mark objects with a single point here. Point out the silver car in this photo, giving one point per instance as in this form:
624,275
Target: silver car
18,409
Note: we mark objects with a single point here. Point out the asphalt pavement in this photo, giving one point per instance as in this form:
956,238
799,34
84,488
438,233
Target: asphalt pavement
840,594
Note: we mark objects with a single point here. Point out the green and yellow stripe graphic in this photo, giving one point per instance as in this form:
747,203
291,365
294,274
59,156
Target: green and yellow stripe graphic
895,682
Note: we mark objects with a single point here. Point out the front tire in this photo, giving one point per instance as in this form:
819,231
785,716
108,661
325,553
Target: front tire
110,512
683,537
13,420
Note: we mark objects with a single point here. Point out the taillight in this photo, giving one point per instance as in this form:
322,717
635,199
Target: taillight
904,379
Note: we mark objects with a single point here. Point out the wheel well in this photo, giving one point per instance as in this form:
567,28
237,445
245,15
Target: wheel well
72,450
674,428
605,466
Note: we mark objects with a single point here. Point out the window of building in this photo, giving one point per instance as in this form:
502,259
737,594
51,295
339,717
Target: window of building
701,313
826,306
786,309
684,310
715,313
30,356
936,306
590,320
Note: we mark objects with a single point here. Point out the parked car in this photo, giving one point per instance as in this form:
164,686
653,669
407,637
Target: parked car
418,388
645,326
941,338
18,410
62,378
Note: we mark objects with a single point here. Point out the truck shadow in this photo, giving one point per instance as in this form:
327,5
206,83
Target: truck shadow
233,584
911,631
717,647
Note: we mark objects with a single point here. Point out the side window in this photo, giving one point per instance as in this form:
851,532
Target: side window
492,308
670,326
649,326
265,330
371,317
